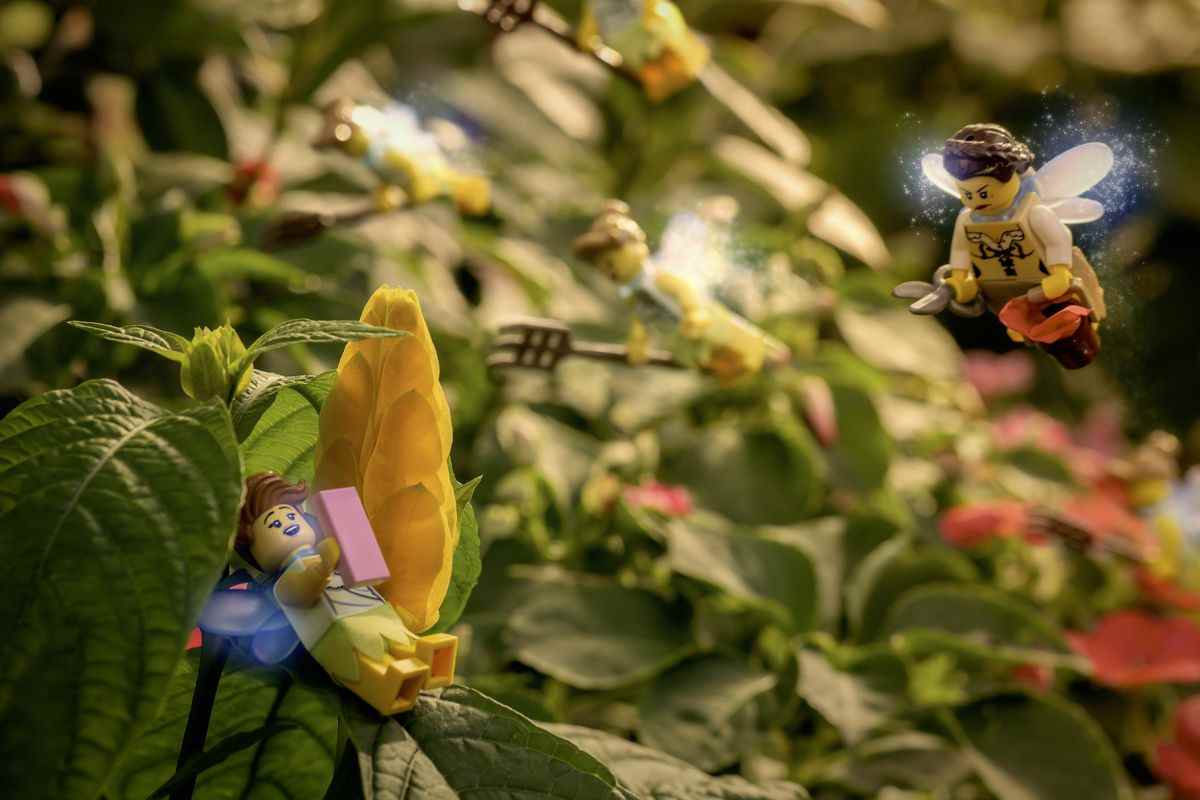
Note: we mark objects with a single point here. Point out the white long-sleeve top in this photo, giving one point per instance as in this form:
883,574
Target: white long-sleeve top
1054,235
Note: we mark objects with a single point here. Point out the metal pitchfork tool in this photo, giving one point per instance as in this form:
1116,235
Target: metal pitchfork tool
934,298
544,343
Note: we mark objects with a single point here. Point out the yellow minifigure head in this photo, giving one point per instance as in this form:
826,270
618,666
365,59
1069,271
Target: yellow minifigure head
987,162
270,526
342,131
616,244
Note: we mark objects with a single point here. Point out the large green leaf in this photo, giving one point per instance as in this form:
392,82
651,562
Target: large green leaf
856,697
702,711
978,613
597,635
889,571
284,439
860,457
175,114
901,342
22,320
1039,748
459,743
653,775
249,406
118,517
756,477
164,343
311,331
910,759
280,734
770,574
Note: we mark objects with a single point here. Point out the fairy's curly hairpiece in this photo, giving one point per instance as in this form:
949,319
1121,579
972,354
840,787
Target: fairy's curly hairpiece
985,148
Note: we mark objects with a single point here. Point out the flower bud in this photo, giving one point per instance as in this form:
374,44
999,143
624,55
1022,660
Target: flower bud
209,363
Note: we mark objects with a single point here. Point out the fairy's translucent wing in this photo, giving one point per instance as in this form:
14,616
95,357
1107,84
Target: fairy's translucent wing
1076,210
1072,173
935,173
696,249
237,609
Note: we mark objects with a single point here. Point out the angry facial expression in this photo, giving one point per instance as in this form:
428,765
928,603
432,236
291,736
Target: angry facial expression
987,194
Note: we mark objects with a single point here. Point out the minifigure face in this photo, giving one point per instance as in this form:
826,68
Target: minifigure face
622,264
277,533
984,193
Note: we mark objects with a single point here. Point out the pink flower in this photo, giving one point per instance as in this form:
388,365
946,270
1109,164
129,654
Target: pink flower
975,523
1133,648
819,410
1027,426
999,375
1102,515
1038,677
674,501
1177,762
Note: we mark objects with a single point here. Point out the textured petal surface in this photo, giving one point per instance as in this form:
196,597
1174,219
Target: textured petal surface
386,430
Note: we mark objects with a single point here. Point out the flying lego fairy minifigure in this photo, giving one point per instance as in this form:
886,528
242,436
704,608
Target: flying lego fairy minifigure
1012,251
299,590
405,154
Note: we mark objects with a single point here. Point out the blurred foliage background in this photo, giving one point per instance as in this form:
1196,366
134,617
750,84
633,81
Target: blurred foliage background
750,579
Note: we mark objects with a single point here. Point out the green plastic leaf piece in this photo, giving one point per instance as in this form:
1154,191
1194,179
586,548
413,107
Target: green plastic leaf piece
458,743
271,737
284,439
977,613
652,775
855,698
118,518
772,575
702,711
1039,748
597,635
893,568
156,340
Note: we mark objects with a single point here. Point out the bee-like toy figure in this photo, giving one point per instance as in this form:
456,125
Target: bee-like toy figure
1012,252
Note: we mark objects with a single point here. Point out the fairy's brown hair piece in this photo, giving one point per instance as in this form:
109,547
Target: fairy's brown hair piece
985,148
264,491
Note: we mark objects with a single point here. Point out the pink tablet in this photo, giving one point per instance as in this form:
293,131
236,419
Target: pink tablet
342,516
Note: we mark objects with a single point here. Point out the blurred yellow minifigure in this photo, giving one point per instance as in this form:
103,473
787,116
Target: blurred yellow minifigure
653,39
405,155
724,344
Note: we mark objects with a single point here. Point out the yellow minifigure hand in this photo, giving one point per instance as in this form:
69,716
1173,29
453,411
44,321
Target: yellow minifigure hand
966,288
330,554
694,323
1057,282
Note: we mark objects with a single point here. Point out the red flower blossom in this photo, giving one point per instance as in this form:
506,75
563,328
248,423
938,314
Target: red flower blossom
1038,677
10,201
975,523
1102,515
674,501
999,375
1027,426
1177,762
1132,648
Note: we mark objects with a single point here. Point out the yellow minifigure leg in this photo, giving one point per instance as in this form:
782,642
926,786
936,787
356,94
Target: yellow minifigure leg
440,652
389,687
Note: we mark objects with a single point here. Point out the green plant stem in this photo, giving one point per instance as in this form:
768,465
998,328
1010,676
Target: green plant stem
214,651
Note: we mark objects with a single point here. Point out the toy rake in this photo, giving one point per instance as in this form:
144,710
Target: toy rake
544,343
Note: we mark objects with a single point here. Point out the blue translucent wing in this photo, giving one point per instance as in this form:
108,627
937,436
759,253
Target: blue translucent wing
237,612
275,641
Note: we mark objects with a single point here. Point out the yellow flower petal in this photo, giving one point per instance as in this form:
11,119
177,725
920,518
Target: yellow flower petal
417,553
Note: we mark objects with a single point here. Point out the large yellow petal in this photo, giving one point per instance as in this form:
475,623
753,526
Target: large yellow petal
408,459
419,551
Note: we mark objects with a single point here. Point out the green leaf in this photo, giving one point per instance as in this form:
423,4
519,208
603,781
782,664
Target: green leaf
901,342
1039,748
175,114
467,562
271,736
249,406
220,752
889,571
978,613
855,698
649,774
860,457
284,440
910,759
156,340
756,477
769,574
22,321
310,331
120,516
244,264
702,712
597,635
458,742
